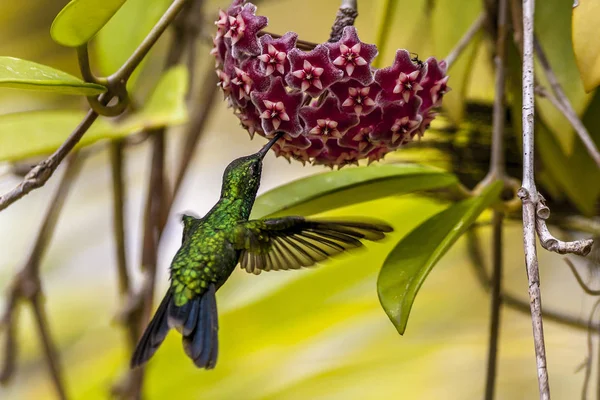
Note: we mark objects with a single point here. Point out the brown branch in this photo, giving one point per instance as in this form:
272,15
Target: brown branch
562,104
117,82
495,306
465,40
580,281
588,361
131,325
477,261
549,242
40,174
50,350
140,305
26,286
497,171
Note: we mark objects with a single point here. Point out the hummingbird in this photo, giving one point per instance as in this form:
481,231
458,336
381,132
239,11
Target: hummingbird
212,246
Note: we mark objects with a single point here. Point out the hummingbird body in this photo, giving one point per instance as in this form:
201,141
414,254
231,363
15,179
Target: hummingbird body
212,246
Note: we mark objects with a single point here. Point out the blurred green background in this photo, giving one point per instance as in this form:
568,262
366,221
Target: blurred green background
313,334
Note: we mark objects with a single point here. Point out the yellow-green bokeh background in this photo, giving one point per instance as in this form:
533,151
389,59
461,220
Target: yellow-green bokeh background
313,334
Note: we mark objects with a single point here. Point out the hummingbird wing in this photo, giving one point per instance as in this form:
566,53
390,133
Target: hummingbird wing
295,242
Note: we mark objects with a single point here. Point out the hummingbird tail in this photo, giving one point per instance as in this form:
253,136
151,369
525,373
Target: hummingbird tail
197,320
154,335
200,329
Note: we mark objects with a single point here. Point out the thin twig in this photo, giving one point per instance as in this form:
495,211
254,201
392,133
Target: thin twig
140,304
529,195
26,286
123,74
497,171
566,108
580,281
549,242
598,369
495,306
50,350
588,361
511,301
40,174
131,325
465,40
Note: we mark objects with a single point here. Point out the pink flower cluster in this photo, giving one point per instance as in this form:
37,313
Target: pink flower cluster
334,107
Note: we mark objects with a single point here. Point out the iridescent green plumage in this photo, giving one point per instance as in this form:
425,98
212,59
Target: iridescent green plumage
213,245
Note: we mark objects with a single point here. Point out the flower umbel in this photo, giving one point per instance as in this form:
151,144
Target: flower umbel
334,107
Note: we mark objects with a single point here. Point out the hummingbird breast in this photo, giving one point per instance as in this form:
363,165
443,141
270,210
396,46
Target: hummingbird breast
205,257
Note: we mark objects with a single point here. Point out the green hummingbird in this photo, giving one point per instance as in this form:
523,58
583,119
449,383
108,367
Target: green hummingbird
213,245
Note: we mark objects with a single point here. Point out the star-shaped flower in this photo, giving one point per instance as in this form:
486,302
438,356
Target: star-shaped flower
219,51
244,79
327,120
435,83
355,97
224,82
250,119
402,80
243,31
333,154
222,24
278,108
352,56
358,137
312,72
398,124
274,59
377,153
300,148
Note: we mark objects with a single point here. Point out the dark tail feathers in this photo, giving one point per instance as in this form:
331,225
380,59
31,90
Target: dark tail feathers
197,320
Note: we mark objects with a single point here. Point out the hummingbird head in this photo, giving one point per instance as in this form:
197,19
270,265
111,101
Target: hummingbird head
242,176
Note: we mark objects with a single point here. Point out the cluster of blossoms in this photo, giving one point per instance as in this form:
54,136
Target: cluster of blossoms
334,107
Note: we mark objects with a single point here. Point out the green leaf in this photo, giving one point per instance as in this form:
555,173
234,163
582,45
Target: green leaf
166,105
120,37
80,20
409,34
22,74
36,133
560,172
329,190
553,29
585,21
449,24
413,258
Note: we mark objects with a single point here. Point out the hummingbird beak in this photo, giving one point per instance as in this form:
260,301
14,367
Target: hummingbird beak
263,152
